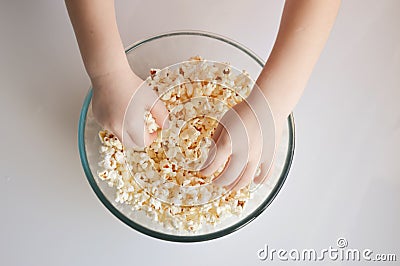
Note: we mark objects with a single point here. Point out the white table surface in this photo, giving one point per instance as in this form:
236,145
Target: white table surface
344,181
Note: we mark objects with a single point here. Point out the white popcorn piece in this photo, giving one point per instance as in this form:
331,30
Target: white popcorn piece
150,122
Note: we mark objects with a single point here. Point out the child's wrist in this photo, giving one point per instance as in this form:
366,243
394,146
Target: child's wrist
100,65
109,76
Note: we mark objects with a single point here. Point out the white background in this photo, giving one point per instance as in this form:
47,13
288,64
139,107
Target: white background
345,178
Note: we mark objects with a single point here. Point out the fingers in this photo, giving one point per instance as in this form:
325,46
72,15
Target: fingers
134,132
128,141
265,173
220,154
159,111
246,177
232,144
231,173
239,140
217,132
266,167
142,100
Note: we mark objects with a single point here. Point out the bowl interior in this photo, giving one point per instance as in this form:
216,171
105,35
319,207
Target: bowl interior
159,52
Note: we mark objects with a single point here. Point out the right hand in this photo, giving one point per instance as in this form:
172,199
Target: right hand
248,141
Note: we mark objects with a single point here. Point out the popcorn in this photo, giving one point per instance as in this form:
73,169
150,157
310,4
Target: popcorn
162,179
150,122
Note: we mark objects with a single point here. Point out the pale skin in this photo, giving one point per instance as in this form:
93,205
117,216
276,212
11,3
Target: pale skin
303,32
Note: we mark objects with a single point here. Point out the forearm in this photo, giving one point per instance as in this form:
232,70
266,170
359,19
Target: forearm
304,29
97,34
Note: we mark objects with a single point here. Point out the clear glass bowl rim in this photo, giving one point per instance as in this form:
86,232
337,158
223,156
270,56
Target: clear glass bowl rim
176,238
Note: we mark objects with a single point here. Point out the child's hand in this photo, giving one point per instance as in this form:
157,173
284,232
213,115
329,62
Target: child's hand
251,128
111,95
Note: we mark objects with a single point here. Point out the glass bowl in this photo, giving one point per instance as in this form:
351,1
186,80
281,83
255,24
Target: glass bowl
158,52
